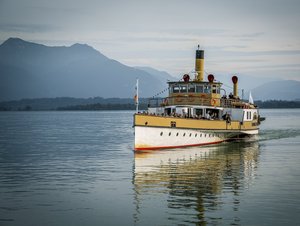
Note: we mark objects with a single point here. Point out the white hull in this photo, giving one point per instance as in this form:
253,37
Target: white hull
156,138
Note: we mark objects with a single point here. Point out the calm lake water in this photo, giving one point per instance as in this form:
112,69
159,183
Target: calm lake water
78,168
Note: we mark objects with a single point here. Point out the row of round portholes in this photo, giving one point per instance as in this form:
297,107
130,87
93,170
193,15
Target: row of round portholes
196,134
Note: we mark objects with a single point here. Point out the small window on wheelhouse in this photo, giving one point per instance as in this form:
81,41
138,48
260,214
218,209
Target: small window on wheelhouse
207,89
176,89
183,89
191,88
214,89
199,89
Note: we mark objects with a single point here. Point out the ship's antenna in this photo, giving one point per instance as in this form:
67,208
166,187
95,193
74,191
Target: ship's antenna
242,94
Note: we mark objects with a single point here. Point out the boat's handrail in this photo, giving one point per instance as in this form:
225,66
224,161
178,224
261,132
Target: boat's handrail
186,100
176,115
229,103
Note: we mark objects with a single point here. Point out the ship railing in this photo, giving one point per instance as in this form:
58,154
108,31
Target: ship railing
156,102
226,118
226,103
231,103
182,100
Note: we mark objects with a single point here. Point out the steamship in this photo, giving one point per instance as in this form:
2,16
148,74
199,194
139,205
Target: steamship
195,113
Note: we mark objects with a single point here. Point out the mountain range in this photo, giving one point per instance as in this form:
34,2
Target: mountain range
31,70
277,90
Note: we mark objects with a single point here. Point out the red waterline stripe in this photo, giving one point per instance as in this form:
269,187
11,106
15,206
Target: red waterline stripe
181,146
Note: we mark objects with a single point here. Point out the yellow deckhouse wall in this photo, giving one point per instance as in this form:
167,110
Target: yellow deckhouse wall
194,93
184,123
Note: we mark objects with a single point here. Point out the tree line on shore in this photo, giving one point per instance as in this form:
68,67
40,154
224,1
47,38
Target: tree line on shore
98,104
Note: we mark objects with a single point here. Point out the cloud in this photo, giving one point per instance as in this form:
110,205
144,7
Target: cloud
251,35
223,51
28,28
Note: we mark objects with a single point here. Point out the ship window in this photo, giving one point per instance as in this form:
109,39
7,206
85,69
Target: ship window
177,134
207,89
183,88
184,134
161,133
199,89
198,112
190,134
214,89
196,135
170,134
175,89
200,134
205,135
248,114
191,88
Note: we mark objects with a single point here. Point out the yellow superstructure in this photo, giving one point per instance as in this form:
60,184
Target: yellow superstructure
194,92
190,123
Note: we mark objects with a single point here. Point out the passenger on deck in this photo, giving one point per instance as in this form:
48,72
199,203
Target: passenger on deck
215,116
226,117
208,116
230,96
224,96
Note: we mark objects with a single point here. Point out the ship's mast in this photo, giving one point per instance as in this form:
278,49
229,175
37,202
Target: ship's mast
136,97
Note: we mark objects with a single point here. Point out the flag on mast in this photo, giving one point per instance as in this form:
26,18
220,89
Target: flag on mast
136,96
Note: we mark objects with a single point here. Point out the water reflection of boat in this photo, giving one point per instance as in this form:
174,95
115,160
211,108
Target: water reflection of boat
194,179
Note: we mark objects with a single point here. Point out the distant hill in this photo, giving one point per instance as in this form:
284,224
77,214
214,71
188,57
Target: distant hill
277,90
99,103
30,70
162,76
42,104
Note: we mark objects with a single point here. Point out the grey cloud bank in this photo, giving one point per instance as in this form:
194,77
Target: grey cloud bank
164,34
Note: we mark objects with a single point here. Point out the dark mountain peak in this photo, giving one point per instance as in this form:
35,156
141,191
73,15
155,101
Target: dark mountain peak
84,48
16,49
78,45
30,70
14,41
17,42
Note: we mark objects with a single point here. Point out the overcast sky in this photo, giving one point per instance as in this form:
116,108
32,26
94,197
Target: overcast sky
257,37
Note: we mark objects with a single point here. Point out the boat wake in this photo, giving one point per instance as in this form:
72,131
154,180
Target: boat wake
278,134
